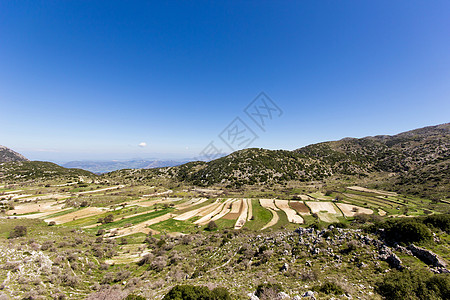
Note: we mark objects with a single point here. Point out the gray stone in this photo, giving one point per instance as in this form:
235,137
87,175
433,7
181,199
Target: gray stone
282,295
309,294
427,256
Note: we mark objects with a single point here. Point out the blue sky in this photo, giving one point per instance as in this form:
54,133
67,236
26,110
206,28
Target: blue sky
94,79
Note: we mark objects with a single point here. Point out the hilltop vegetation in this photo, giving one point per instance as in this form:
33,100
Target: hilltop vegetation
415,162
21,171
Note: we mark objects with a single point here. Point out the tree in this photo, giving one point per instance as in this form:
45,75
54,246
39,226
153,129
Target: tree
108,219
211,226
18,231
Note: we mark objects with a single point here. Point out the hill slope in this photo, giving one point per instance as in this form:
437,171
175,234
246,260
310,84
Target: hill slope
421,155
38,170
8,155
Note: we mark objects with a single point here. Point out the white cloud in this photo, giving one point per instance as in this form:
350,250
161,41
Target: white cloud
142,144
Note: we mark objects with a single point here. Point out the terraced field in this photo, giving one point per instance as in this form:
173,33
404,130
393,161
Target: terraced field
142,212
135,212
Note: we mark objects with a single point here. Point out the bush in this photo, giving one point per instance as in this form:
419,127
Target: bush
211,226
329,288
191,292
408,284
438,221
265,289
108,219
18,231
406,231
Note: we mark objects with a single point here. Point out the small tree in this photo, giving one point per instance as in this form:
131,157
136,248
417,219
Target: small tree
18,231
211,226
108,219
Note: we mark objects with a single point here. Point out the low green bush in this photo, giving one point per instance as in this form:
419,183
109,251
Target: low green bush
406,284
329,288
192,292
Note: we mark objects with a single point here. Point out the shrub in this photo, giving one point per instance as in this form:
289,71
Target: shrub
108,219
406,231
438,221
191,292
408,284
212,226
266,289
329,288
18,231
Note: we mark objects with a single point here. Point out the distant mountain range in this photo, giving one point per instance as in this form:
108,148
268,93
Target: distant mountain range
99,167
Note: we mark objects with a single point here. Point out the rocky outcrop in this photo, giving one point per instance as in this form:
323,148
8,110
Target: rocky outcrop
390,257
427,256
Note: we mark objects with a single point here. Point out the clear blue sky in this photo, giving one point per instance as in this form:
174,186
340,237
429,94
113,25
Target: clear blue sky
94,79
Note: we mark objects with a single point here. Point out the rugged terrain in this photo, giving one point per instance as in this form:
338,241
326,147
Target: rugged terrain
7,155
357,218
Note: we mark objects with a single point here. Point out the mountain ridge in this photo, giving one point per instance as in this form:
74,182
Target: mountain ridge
8,155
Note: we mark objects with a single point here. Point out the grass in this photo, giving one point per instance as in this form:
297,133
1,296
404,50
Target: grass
173,225
261,216
136,219
224,223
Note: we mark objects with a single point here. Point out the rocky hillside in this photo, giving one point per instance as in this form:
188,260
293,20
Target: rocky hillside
419,155
8,155
38,171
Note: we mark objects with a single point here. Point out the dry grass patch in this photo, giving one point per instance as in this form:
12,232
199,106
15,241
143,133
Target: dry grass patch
350,210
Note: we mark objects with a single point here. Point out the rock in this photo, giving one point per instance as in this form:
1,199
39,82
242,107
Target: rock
391,258
284,268
282,295
252,296
427,256
296,297
361,265
309,294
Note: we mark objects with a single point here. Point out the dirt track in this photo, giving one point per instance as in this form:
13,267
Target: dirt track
242,216
274,220
250,209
